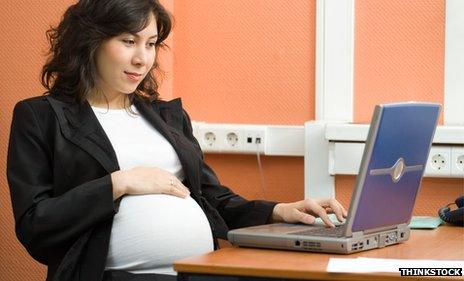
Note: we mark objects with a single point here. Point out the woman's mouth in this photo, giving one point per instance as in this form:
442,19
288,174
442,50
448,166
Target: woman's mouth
133,76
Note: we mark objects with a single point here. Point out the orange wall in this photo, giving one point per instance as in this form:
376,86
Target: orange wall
399,53
247,62
23,45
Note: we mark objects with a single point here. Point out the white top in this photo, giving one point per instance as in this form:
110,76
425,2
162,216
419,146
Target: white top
151,231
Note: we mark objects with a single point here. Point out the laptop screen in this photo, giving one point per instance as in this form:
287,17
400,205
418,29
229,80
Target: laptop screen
394,168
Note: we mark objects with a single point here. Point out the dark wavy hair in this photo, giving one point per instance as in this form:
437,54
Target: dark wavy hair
71,69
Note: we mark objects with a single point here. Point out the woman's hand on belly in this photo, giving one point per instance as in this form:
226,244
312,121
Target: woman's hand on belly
147,180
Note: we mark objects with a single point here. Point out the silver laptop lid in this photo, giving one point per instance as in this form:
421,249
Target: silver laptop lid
393,163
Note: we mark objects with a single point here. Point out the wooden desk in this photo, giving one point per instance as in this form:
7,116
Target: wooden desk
445,242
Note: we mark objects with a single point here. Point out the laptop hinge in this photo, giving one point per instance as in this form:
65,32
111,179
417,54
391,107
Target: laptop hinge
380,229
403,227
357,234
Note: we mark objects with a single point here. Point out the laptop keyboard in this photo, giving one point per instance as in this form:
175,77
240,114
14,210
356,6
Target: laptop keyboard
337,231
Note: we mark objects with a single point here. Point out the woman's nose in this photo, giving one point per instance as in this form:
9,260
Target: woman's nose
139,58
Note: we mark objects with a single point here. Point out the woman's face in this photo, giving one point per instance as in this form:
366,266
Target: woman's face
124,61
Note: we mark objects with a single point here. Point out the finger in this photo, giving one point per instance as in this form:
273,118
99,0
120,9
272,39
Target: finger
183,187
343,210
329,210
345,213
317,209
333,206
325,218
337,209
305,218
179,185
174,190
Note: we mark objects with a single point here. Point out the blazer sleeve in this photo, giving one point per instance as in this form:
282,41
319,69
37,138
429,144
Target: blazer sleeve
236,211
44,223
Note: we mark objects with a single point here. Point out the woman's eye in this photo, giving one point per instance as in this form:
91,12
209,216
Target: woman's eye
152,44
129,41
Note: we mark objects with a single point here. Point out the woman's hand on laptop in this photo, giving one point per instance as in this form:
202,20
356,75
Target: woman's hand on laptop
306,211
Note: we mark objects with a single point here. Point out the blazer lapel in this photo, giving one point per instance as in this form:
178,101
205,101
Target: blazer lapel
171,129
79,125
155,120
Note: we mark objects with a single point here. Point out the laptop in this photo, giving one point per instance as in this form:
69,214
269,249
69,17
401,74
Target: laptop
390,174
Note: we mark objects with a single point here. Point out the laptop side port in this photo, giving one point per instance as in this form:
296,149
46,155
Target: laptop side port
310,245
297,243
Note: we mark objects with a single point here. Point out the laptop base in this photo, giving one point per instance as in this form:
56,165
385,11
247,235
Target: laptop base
270,236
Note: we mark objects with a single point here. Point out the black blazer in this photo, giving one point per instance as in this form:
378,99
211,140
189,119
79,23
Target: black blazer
59,166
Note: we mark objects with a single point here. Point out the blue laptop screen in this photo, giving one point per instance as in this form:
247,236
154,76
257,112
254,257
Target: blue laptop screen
401,145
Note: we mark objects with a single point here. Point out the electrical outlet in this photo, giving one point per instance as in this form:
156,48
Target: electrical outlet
457,161
233,139
210,138
438,163
460,163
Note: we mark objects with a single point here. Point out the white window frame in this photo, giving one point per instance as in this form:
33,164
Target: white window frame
334,60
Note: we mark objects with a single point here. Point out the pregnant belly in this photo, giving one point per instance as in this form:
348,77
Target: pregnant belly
152,231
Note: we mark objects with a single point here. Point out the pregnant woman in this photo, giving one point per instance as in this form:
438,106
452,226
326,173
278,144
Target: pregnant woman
107,181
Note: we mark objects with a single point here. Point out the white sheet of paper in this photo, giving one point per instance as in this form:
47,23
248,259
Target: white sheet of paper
360,265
